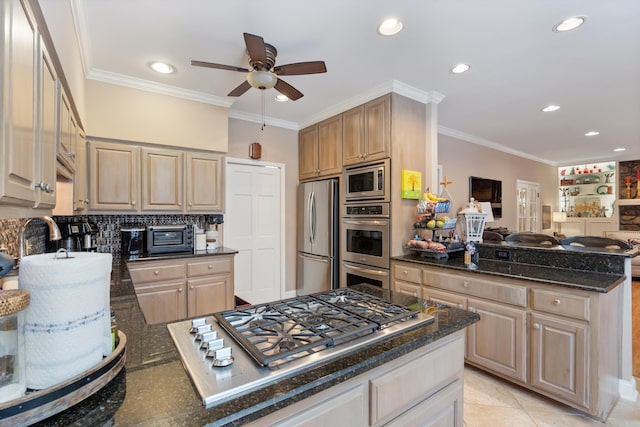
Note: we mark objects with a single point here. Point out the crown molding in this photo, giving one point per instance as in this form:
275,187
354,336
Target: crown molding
149,86
490,144
79,17
269,121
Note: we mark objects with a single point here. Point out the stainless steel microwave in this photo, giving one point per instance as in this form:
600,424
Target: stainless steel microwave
163,239
367,182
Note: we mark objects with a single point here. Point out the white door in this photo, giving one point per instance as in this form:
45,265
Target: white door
528,209
253,226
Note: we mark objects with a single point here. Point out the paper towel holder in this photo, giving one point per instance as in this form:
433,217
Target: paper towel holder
60,252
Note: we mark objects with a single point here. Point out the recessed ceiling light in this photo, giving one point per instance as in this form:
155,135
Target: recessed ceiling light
282,98
592,133
460,68
161,67
550,108
569,24
620,149
390,27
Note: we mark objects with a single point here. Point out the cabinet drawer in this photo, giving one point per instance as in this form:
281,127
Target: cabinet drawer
399,389
157,272
213,265
483,288
407,273
576,306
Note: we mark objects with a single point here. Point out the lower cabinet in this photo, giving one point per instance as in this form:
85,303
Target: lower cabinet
558,341
422,388
177,289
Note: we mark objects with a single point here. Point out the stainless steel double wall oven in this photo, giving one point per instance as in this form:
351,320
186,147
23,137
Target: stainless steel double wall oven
365,234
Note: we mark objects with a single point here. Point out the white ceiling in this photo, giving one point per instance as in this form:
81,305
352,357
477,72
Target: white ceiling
518,64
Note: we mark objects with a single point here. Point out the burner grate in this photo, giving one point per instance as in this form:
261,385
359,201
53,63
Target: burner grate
280,331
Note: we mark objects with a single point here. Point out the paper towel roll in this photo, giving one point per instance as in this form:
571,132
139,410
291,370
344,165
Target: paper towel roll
67,324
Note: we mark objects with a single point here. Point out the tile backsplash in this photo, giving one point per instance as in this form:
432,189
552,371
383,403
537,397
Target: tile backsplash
107,239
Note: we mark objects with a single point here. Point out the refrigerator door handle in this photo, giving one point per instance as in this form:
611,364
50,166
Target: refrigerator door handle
312,213
321,259
309,229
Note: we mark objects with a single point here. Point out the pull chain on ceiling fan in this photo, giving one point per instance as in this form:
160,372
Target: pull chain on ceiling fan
263,75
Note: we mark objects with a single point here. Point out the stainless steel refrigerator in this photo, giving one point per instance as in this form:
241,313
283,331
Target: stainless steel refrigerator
318,222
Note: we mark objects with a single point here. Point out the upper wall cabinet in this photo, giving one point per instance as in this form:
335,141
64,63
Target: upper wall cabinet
68,132
320,149
366,132
114,171
142,179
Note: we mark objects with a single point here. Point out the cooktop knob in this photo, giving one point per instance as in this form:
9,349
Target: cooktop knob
195,323
222,358
206,338
214,345
201,330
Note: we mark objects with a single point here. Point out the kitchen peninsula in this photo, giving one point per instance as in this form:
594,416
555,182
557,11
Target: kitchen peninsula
156,389
552,318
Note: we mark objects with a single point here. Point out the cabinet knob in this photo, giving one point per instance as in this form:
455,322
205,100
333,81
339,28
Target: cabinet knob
179,290
460,305
44,187
536,326
190,204
179,203
405,272
133,203
556,301
156,272
210,266
472,309
71,154
465,284
191,287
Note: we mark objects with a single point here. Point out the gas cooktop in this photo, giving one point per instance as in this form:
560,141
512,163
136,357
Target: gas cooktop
240,349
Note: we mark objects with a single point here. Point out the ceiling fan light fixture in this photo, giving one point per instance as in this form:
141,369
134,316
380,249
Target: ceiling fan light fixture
550,108
281,98
569,24
262,79
162,67
390,27
619,149
592,133
460,68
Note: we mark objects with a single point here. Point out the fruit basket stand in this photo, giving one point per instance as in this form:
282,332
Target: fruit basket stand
432,219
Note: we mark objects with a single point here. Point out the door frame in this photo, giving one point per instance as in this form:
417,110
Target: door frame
282,168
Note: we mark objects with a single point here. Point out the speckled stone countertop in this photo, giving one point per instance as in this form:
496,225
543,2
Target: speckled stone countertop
581,268
154,388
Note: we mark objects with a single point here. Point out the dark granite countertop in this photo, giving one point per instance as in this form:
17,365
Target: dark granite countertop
155,389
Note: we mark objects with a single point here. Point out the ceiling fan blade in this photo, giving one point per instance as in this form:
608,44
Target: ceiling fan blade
218,66
286,89
312,67
256,48
242,88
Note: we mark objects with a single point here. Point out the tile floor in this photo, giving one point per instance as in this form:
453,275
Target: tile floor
493,402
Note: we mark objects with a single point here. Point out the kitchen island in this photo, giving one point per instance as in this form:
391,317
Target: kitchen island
155,389
555,320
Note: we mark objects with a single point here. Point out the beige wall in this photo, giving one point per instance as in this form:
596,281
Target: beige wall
278,146
123,113
461,159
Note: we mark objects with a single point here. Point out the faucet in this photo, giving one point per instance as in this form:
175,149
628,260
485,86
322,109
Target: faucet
54,231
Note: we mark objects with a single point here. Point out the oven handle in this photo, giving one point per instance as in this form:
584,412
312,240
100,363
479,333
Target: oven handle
364,222
367,270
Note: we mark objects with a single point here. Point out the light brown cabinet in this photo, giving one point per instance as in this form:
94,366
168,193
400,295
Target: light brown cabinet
162,179
68,130
189,287
366,132
80,200
320,149
204,182
390,395
113,176
558,341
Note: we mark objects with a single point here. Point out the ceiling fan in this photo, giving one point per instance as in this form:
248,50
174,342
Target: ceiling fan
263,74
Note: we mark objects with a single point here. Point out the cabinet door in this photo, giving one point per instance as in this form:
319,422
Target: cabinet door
446,298
353,136
598,226
162,302
80,177
330,146
444,409
113,176
377,116
48,110
407,288
308,153
204,182
18,86
66,131
499,340
162,180
209,294
560,357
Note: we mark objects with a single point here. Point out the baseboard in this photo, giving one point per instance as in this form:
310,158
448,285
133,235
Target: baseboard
628,390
